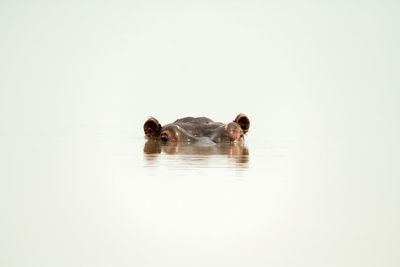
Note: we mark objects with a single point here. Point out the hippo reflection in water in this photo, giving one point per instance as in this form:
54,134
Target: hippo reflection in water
198,130
198,154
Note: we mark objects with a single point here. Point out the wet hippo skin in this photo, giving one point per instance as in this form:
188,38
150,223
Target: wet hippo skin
198,130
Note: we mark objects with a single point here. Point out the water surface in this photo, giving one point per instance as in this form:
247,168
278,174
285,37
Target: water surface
109,196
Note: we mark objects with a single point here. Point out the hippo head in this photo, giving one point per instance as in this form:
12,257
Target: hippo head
199,129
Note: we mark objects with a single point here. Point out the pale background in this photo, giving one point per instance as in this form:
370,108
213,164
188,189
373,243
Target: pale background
319,81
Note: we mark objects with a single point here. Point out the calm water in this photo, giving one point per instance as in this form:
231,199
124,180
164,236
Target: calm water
106,196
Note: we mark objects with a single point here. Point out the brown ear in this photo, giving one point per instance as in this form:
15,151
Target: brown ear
152,128
243,122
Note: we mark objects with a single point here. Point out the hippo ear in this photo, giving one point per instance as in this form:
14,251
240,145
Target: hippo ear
152,128
243,122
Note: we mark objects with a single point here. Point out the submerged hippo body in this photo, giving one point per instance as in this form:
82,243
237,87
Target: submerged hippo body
201,130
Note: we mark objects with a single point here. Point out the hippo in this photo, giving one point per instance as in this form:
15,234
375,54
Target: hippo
198,130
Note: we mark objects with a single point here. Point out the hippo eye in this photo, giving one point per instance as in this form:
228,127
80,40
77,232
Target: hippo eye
164,137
